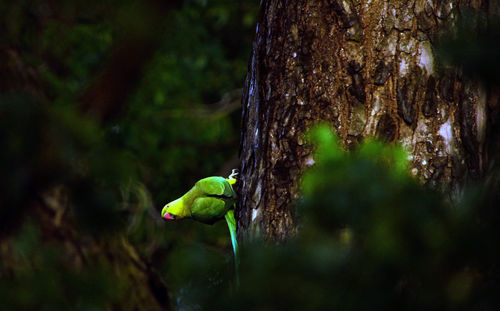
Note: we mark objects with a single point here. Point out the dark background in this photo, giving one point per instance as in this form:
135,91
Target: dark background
110,109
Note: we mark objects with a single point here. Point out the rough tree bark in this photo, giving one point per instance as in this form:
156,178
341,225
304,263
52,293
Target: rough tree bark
369,69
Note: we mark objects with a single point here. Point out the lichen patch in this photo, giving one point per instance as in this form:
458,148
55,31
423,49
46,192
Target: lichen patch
426,59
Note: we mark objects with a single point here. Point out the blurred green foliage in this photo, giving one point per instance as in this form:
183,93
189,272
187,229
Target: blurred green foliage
41,282
473,44
372,238
73,187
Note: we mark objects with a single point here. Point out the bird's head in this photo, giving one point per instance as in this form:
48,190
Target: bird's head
173,210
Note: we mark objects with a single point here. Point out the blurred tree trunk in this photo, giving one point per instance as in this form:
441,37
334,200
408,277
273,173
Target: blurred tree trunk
49,209
134,277
368,68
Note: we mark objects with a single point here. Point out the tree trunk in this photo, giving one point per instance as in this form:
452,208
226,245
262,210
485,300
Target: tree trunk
368,68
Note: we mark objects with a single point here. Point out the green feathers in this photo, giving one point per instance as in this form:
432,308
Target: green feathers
210,200
231,224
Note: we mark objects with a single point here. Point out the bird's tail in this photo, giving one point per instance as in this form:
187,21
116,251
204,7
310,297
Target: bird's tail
231,224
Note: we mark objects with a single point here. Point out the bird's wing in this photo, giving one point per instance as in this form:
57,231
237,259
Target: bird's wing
208,209
212,185
217,187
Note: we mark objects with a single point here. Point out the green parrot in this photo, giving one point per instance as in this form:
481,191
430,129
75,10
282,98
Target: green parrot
210,200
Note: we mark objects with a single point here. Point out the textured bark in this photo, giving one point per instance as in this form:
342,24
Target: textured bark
369,69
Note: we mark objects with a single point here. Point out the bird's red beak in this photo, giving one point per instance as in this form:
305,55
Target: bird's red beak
168,216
